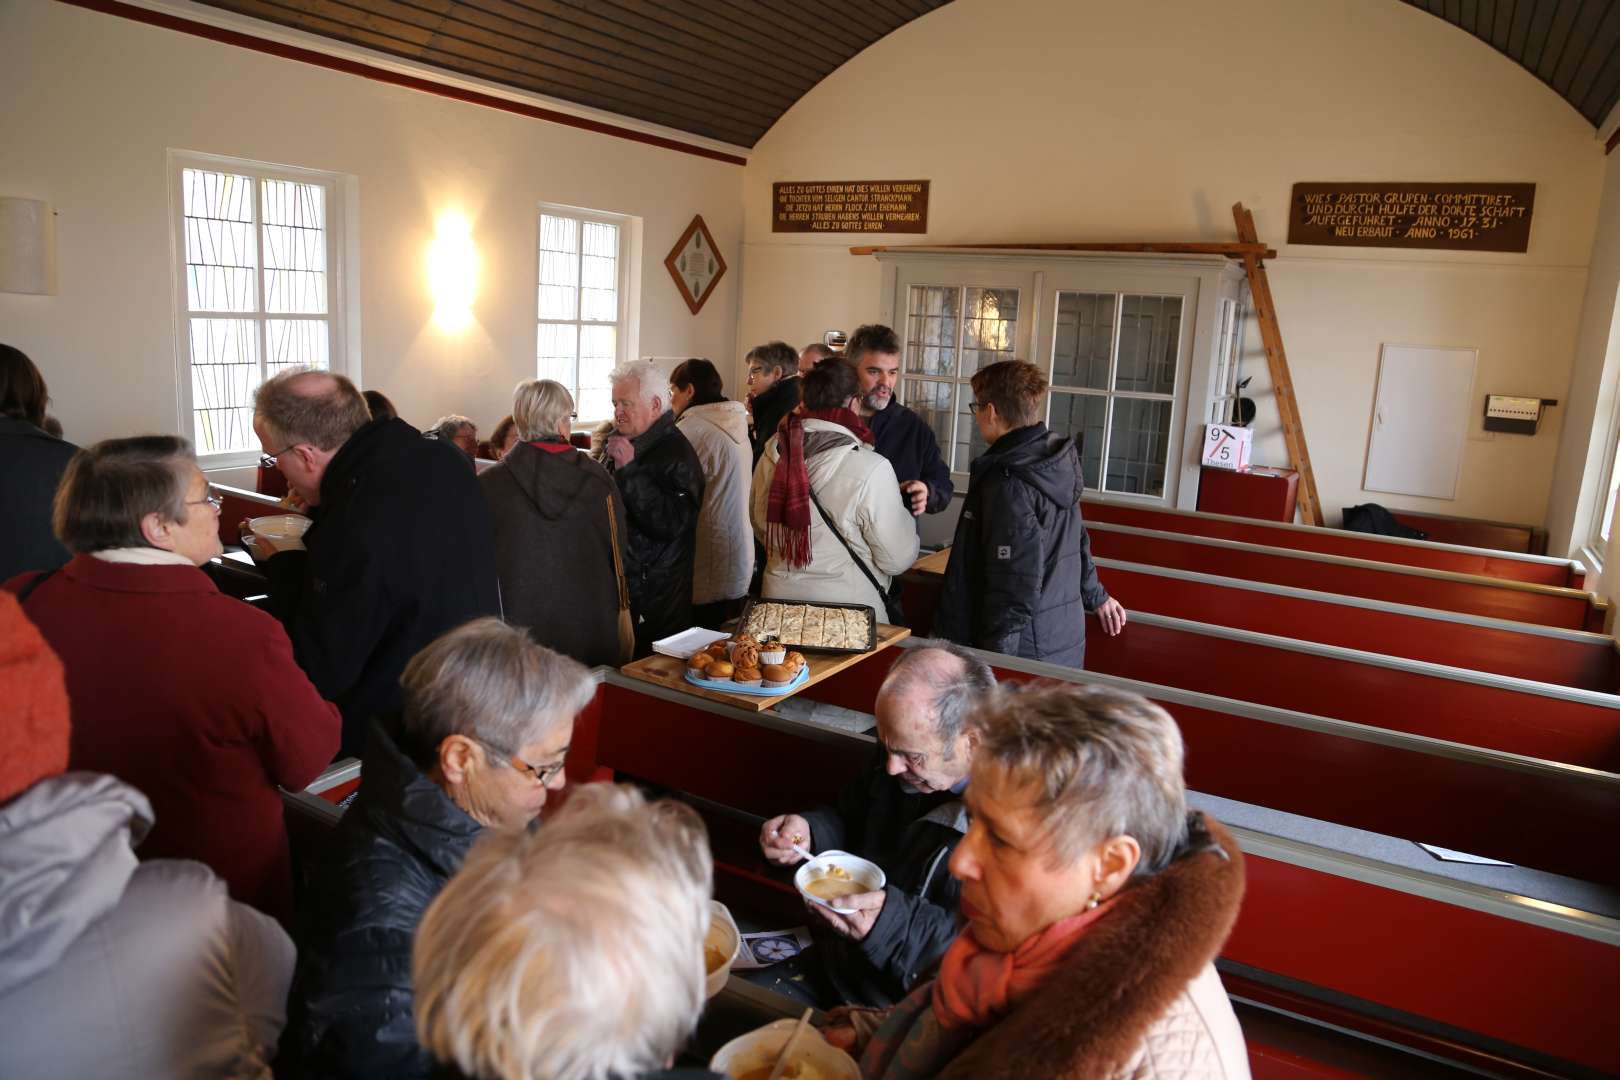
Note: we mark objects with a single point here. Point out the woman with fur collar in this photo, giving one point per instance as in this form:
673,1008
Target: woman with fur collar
1094,907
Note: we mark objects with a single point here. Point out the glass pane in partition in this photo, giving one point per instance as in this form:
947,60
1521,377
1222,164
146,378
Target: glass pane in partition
596,361
935,401
1149,341
1138,446
989,327
969,443
1081,417
1084,340
932,312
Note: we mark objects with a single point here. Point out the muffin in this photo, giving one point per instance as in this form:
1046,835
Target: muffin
795,660
772,652
699,662
720,669
719,650
776,676
750,676
745,655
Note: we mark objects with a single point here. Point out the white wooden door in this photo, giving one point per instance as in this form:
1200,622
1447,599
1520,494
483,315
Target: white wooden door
1420,420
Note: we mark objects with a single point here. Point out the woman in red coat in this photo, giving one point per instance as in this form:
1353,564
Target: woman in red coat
178,690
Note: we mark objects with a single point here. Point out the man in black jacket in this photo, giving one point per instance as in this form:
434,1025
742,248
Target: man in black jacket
1020,576
661,479
402,547
901,435
905,813
774,390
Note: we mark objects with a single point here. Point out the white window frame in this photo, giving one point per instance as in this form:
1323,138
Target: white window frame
342,349
628,264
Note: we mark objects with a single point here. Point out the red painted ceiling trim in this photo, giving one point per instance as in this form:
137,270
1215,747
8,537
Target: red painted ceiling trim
1614,141
410,82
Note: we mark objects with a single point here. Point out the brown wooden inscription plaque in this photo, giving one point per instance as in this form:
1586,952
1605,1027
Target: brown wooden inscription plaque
845,206
1457,217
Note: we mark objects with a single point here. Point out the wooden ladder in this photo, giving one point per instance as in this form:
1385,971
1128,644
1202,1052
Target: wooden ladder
1282,384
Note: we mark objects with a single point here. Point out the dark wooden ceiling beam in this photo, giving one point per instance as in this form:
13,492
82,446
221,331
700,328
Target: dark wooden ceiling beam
724,33
1585,37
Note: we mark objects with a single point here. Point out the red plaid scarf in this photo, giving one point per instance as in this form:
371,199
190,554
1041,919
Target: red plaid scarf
787,512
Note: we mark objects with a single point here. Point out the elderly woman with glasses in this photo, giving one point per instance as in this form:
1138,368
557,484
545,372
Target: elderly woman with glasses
574,952
480,745
184,693
1094,906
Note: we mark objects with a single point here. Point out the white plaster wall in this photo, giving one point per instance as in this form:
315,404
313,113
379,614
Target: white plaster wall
1591,413
94,102
1051,120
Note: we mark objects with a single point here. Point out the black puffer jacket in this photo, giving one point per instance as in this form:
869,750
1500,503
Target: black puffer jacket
401,551
1020,577
911,837
349,1013
554,550
663,493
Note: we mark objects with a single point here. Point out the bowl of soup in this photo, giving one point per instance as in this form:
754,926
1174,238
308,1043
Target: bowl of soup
833,875
720,946
282,530
751,1056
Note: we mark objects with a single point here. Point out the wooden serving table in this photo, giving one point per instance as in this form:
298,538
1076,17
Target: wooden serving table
668,671
931,565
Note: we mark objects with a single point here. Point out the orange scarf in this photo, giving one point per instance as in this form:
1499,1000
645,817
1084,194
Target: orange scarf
976,984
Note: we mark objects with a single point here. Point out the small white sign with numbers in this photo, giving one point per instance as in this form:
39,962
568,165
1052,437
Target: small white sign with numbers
1227,447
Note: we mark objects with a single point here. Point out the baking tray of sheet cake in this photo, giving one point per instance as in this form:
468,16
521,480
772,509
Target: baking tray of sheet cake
804,624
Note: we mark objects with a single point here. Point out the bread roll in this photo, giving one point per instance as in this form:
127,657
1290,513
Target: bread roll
778,673
720,669
700,661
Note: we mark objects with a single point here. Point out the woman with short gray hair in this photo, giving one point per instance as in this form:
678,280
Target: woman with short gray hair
558,516
486,727
191,697
1095,908
573,952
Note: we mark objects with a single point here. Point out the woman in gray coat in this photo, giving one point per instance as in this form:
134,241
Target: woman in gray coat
718,431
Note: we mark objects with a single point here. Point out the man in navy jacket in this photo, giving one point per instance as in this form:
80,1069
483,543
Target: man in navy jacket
901,435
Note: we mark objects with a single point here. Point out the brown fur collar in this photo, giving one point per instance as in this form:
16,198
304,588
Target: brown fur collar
1124,973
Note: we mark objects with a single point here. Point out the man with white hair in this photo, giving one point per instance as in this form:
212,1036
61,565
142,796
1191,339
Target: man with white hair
402,547
571,952
906,814
661,479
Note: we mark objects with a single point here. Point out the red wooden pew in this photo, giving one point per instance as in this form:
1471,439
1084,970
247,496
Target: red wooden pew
1397,953
1537,569
1572,658
1547,605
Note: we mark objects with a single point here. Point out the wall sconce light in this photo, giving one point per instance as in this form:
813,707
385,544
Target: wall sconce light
453,273
27,246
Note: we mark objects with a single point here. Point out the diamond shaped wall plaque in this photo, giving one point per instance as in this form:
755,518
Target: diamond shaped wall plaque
695,264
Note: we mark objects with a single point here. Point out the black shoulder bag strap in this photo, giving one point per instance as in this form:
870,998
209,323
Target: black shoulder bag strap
889,615
39,579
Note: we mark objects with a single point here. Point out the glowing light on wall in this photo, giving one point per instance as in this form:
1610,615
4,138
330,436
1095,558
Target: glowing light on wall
453,273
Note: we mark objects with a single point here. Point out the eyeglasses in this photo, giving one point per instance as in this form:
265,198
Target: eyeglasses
211,499
542,775
269,460
975,406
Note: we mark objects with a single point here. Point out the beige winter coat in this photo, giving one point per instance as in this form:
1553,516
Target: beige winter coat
857,487
725,545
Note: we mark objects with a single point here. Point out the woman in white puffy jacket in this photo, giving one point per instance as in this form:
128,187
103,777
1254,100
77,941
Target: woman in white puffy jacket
823,454
718,431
